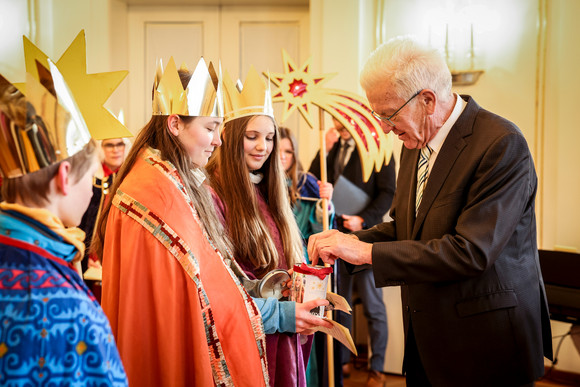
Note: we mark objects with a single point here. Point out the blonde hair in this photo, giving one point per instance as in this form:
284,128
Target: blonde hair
407,67
248,230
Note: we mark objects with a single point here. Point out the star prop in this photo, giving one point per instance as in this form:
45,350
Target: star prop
299,89
90,91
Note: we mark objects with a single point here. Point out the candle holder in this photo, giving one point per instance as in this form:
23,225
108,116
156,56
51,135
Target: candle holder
465,78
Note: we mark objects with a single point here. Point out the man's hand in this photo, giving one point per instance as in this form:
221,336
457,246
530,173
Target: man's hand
352,222
331,244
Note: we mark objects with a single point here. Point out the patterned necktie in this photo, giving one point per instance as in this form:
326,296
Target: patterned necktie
422,172
339,163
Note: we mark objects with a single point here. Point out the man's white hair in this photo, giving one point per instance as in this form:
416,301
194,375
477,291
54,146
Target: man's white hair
408,67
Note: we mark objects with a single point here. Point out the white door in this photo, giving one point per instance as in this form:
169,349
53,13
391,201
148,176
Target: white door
239,36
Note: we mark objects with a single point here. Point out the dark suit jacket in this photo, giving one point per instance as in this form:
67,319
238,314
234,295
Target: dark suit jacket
380,187
473,293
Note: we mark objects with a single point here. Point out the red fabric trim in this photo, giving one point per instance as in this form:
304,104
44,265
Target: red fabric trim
35,249
320,272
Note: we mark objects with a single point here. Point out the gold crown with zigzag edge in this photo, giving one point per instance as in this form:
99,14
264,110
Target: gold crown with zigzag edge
201,97
41,128
55,113
254,98
90,91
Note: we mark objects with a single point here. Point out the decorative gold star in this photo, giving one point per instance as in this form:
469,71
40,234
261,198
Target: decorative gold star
90,91
299,89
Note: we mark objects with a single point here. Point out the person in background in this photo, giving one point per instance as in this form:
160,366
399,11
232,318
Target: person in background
343,161
179,313
252,197
113,152
306,193
462,241
52,330
305,190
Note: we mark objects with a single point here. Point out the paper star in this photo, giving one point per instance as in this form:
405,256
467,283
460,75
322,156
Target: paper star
298,89
90,91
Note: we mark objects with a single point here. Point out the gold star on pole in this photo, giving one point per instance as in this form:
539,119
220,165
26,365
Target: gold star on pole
299,89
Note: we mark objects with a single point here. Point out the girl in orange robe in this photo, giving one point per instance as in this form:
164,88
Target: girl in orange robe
179,314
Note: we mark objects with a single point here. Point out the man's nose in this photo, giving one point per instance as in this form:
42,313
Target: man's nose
386,127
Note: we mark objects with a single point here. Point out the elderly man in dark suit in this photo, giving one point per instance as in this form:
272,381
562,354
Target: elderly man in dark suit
463,237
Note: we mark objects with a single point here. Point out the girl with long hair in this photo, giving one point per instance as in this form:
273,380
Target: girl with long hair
179,314
252,196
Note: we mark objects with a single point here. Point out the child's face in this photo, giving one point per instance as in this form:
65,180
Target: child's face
258,141
79,198
114,149
286,153
200,137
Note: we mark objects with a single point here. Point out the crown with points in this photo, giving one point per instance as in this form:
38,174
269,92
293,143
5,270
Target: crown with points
201,97
40,128
254,98
55,113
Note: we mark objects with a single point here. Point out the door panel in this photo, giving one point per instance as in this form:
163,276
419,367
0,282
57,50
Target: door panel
186,33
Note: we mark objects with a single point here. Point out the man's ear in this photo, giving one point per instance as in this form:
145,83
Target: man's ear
173,124
429,99
63,178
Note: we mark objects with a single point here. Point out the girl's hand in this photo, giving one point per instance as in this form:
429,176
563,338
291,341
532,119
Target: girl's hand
307,322
326,190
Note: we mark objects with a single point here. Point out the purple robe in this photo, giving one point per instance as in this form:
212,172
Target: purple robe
287,357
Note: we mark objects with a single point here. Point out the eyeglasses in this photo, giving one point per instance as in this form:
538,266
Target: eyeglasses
110,146
387,120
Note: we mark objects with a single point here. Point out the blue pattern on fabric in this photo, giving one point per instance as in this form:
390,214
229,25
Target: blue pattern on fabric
30,231
52,330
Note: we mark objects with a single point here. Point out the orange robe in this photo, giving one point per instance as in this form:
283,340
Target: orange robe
179,314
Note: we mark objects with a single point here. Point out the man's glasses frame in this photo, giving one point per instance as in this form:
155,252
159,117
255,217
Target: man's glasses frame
388,119
111,146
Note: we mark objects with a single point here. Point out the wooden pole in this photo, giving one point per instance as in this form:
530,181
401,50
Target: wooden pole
325,226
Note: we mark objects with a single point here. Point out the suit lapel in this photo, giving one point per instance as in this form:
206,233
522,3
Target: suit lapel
450,151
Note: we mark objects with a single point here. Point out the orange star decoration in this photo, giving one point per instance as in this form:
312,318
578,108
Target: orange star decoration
90,91
299,89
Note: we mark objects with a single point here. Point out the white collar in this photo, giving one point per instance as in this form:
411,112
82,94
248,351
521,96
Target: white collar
437,142
256,178
198,176
348,143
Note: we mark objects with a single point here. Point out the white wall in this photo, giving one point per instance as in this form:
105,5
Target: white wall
14,22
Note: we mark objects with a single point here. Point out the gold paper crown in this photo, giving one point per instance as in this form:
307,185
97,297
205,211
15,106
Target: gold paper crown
48,120
201,97
254,98
90,91
41,128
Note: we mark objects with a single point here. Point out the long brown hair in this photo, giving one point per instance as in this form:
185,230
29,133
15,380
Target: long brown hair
249,233
156,135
